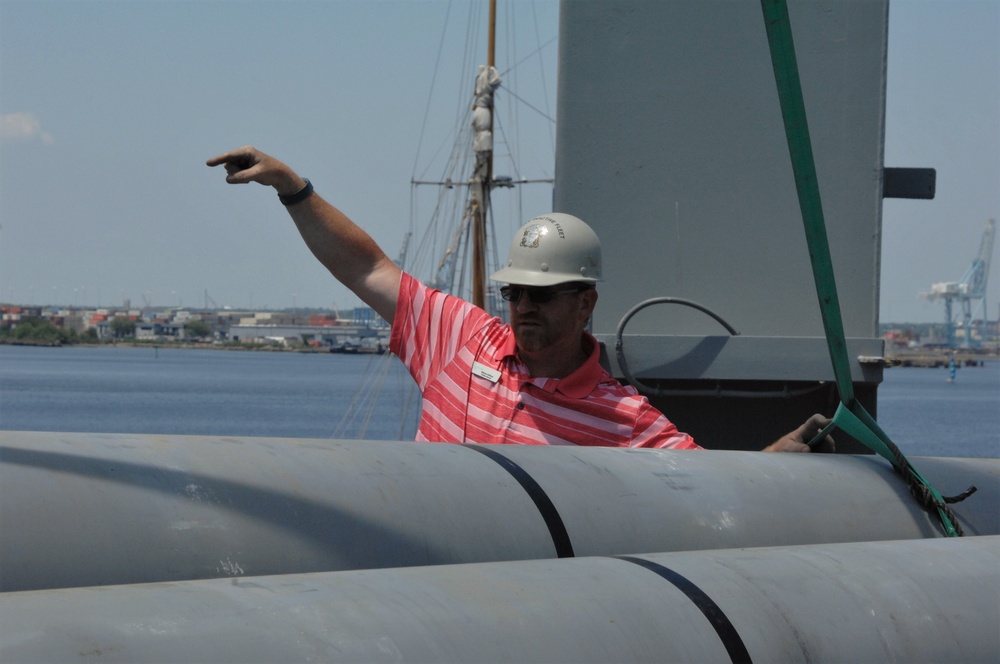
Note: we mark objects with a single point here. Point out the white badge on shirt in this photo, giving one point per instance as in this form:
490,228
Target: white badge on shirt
483,371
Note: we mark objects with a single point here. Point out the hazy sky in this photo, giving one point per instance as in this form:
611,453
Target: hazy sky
109,110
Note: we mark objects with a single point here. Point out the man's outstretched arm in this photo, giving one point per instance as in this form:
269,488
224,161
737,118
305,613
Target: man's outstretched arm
347,251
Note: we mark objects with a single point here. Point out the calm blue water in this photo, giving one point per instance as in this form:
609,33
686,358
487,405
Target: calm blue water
201,392
232,393
925,415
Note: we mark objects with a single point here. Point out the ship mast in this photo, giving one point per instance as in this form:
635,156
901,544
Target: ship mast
482,178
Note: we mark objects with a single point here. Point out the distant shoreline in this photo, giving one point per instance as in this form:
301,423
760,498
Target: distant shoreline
940,357
178,345
916,357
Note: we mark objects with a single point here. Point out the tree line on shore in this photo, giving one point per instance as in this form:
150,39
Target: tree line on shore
40,331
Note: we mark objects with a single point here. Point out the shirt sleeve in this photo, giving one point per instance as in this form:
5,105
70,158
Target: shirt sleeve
653,429
430,327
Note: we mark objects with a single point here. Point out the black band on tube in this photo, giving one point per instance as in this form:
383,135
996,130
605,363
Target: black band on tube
720,621
560,538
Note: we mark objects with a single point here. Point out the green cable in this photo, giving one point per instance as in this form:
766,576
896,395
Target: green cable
850,417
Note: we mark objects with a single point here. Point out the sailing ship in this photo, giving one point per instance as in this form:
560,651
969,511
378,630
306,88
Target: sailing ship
457,231
459,228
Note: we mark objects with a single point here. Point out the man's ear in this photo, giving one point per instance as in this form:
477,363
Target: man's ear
588,301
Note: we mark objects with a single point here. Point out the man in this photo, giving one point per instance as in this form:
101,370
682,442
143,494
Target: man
536,381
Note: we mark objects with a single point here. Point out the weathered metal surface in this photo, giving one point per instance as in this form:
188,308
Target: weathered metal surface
909,601
103,509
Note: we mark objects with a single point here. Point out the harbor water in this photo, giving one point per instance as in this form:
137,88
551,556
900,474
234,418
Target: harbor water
320,395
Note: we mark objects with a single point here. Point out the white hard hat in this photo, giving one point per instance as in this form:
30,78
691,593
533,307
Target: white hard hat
552,249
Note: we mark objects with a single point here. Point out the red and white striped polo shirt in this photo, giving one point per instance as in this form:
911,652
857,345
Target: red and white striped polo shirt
475,389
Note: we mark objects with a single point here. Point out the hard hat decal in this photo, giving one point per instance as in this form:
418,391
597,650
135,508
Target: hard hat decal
532,235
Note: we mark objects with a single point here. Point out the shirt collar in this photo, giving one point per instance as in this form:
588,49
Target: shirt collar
587,376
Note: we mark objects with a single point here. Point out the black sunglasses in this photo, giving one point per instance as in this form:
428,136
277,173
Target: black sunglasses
535,294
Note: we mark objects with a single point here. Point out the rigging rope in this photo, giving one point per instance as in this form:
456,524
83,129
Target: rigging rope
850,416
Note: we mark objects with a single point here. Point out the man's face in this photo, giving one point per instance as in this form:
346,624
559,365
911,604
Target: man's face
546,317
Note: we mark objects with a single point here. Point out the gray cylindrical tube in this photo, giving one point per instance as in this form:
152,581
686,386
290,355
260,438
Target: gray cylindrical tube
927,600
99,509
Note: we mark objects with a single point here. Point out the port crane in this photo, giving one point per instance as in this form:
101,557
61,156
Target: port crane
969,292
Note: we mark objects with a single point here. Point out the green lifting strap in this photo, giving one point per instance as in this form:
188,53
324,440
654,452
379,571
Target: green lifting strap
850,417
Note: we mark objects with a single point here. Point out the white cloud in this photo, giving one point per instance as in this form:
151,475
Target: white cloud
23,127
